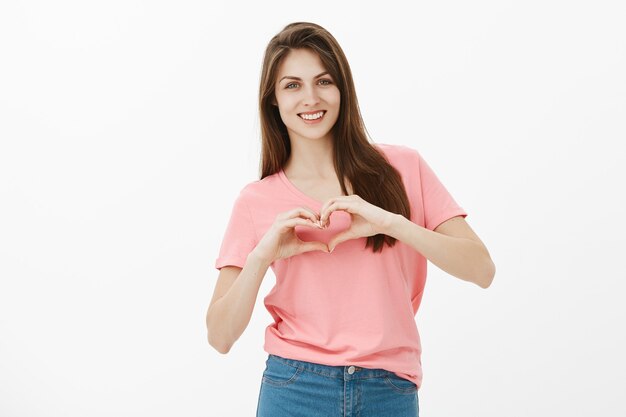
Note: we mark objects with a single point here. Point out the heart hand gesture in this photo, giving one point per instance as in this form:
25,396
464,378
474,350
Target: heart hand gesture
281,240
367,219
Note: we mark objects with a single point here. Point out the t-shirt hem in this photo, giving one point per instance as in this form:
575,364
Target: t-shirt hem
230,261
272,349
444,217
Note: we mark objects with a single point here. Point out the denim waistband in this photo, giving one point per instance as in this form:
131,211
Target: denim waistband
340,372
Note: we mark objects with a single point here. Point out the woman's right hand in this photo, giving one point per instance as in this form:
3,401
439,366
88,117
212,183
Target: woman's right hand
281,241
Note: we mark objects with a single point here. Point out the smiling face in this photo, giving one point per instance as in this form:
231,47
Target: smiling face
306,95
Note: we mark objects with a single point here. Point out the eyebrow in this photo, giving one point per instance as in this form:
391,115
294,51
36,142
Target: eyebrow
300,79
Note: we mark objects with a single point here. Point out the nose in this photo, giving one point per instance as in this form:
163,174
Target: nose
310,96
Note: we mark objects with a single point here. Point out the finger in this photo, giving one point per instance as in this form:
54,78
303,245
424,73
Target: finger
304,212
325,206
310,246
324,211
298,221
310,213
336,205
341,237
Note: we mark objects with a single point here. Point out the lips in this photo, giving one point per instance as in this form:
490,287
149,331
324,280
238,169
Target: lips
312,115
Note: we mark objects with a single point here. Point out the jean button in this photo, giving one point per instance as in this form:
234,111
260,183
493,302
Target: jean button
351,370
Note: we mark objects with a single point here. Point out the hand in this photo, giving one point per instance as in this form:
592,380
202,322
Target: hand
281,241
366,218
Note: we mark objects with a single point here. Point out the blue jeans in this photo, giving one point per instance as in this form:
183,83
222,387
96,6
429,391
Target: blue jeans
292,388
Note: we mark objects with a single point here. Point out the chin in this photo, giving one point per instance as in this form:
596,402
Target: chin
313,137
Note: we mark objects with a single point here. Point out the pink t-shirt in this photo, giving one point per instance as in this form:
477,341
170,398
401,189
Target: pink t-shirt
351,306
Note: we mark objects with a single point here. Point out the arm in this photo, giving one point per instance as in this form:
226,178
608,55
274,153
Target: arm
236,291
229,315
452,246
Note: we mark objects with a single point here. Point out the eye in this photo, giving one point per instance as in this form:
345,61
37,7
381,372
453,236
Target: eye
287,86
326,82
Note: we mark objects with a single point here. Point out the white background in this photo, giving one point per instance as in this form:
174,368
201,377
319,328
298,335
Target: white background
128,128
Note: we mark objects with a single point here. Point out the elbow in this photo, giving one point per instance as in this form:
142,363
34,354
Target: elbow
484,284
215,339
222,348
487,277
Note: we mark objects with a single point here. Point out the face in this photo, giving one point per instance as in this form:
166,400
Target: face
304,91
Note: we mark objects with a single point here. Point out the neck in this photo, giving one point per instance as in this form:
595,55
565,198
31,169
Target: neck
311,159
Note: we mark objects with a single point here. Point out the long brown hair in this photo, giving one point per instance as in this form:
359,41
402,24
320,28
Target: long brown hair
372,177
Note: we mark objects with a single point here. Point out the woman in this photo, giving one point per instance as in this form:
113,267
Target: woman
347,226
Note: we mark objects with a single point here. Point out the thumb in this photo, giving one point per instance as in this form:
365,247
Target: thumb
310,246
341,237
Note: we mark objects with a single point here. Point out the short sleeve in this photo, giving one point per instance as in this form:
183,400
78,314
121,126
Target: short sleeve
439,205
239,238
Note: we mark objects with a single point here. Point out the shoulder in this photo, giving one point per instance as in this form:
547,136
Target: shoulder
258,189
401,156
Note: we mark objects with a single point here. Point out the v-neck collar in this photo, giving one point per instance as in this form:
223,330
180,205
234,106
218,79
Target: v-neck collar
296,190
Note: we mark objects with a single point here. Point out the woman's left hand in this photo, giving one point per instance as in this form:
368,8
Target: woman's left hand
366,218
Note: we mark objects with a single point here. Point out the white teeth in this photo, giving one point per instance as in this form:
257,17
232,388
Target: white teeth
312,116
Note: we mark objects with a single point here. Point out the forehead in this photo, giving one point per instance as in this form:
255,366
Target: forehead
302,63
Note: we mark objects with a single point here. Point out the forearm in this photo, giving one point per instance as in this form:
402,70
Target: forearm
460,257
229,316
